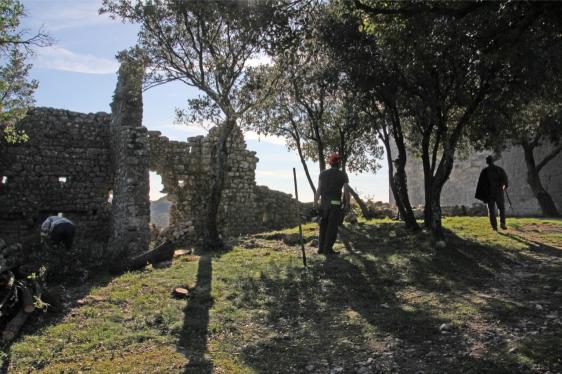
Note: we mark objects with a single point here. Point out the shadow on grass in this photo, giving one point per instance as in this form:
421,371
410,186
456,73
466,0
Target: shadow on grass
382,297
194,334
535,245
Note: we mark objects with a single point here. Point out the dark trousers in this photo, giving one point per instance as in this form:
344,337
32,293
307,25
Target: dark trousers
330,220
498,202
63,233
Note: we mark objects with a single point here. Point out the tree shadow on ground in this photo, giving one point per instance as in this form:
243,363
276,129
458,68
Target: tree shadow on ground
194,334
534,245
386,297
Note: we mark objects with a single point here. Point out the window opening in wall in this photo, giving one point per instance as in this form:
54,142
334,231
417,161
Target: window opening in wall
62,179
181,182
110,196
159,206
4,180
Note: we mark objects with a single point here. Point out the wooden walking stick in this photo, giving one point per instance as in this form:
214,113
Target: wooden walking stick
299,218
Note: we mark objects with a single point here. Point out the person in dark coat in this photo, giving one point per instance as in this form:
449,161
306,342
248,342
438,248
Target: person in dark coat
55,230
490,189
330,184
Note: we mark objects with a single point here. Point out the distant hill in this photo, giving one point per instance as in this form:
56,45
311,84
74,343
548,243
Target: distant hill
160,212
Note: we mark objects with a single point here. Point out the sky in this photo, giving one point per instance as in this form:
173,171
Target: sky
78,72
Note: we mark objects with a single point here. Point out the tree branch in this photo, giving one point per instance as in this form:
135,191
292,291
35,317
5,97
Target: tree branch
549,157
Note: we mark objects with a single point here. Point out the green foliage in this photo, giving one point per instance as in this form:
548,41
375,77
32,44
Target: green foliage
314,106
207,45
443,73
16,91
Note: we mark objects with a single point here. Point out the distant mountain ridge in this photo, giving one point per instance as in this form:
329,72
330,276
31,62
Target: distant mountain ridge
160,212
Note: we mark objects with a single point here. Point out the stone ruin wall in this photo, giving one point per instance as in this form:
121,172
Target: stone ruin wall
130,151
99,154
185,168
460,188
276,210
62,144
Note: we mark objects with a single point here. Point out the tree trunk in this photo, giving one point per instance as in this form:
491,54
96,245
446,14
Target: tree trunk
435,185
319,147
211,238
364,209
304,165
401,186
164,252
544,199
428,184
14,326
386,141
435,204
402,202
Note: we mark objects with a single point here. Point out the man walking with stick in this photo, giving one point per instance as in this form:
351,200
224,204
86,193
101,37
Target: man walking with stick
330,184
490,189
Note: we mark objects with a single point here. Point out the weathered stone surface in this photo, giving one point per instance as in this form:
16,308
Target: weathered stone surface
69,146
185,168
73,162
130,232
461,186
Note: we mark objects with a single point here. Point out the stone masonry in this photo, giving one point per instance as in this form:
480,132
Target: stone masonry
65,167
74,162
460,188
129,144
185,168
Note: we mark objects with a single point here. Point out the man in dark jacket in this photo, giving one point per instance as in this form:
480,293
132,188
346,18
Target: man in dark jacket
330,184
490,189
55,230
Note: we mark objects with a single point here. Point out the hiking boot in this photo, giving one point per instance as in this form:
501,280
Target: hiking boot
495,228
503,227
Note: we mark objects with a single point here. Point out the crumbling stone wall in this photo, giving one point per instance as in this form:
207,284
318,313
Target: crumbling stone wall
460,188
65,145
73,161
275,209
129,145
185,168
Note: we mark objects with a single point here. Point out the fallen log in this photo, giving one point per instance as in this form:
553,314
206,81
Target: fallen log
13,327
163,252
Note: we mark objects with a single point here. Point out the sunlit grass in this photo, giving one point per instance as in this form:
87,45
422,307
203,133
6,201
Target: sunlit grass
385,296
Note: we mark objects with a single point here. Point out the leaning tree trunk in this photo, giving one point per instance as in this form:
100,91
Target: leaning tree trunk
401,185
544,199
401,188
304,165
211,237
364,209
400,194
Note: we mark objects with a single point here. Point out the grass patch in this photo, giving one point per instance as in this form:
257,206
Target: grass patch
391,302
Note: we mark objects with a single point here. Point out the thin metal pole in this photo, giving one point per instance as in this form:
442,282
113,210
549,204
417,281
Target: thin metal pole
299,217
